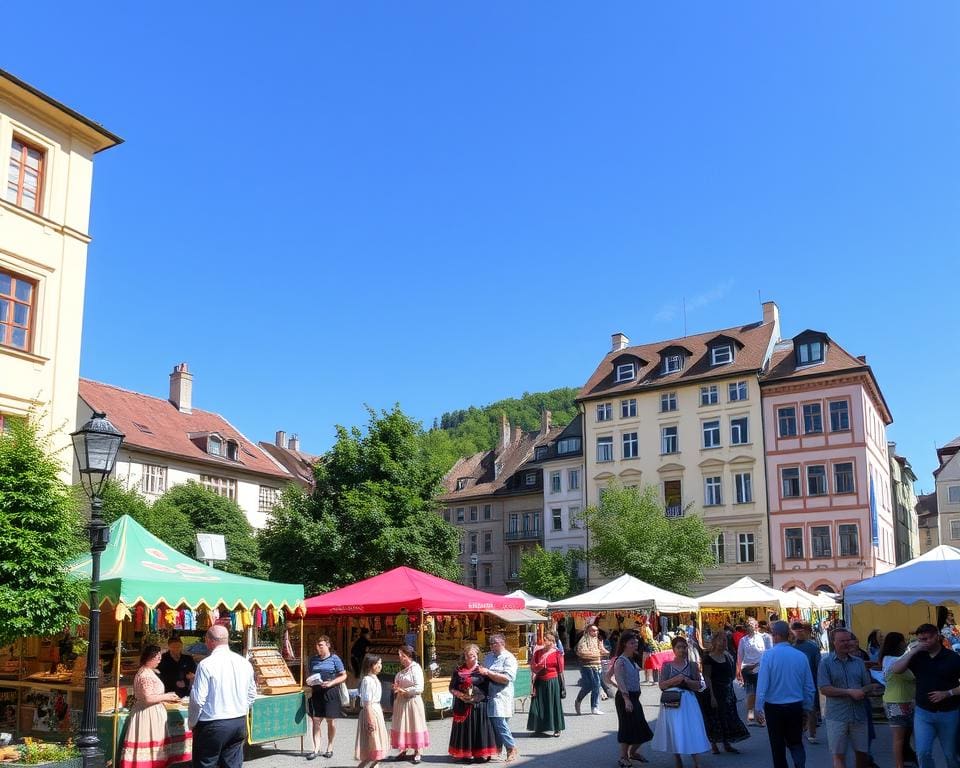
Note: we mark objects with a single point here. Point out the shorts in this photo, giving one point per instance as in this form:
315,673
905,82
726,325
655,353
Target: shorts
899,715
749,679
841,734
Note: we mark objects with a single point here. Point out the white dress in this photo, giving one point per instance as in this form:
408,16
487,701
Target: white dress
680,730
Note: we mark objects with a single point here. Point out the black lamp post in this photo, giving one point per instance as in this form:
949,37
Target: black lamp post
96,444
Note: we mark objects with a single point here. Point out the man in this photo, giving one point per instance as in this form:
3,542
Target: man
358,650
590,651
175,669
811,649
500,666
937,672
845,682
222,692
749,652
784,693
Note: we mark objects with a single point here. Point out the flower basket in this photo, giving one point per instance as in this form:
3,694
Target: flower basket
39,754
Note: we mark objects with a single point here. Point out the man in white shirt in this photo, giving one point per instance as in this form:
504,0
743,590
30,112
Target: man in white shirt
223,690
749,652
500,666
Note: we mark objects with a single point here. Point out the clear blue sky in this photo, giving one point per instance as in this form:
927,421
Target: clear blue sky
440,204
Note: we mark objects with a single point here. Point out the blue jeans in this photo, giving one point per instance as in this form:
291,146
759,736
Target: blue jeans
589,683
928,726
501,731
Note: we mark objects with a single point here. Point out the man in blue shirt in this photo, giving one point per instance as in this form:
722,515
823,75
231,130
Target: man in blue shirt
784,693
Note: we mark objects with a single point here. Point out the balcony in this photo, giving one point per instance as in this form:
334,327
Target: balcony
525,534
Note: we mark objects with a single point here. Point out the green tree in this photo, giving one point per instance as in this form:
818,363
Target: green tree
165,521
630,533
547,574
41,530
372,510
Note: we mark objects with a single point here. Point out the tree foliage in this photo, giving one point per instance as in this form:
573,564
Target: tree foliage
630,533
41,530
547,574
372,510
165,521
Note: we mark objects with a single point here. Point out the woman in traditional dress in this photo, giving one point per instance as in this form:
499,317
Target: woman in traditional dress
680,728
546,710
146,744
408,726
471,735
372,742
632,728
325,673
719,701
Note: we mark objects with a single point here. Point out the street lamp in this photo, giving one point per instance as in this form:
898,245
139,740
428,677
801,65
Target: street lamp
96,445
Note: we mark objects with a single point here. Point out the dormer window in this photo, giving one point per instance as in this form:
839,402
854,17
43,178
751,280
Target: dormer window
721,354
626,372
530,478
461,483
233,450
540,452
810,352
568,445
214,446
672,363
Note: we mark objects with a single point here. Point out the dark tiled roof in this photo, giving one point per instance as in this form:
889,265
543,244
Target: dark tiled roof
927,511
573,429
153,424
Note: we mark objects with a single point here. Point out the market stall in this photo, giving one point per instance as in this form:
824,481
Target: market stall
907,596
744,598
435,616
149,591
530,601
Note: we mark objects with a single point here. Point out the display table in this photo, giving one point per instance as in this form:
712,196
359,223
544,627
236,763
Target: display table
179,735
273,718
655,661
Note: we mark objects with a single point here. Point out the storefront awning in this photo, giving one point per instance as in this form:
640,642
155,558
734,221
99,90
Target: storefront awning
518,616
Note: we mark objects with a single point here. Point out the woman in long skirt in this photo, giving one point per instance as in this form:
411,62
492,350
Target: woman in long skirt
471,735
546,710
372,743
408,725
147,744
718,702
680,729
632,728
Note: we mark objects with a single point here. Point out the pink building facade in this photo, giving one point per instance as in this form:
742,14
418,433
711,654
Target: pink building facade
828,473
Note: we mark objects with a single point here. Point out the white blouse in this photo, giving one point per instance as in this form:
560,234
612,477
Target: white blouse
410,679
370,690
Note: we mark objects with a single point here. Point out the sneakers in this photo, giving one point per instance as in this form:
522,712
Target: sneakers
596,711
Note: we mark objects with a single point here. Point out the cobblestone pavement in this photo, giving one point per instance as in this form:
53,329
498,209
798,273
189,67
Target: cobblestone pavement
589,740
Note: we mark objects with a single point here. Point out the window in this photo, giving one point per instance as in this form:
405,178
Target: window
530,478
843,477
557,517
487,541
787,421
737,391
626,371
953,494
672,363
568,445
487,511
25,175
812,419
672,498
793,538
711,434
668,402
573,479
153,479
214,446
630,448
669,441
473,543
474,514
719,550
16,309
460,545
955,529
811,352
460,514
514,523
539,453
712,492
721,355
487,574
790,482
268,499
446,514
222,486
739,433
709,395
554,482
746,548
604,412
628,408
839,416
743,483
820,541
849,540
462,483
573,513
604,449
233,450
816,480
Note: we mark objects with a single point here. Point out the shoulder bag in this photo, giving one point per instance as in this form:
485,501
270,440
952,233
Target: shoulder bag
344,695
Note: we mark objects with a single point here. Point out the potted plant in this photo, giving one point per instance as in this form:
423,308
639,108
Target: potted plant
46,754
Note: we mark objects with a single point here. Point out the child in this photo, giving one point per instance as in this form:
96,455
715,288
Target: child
372,741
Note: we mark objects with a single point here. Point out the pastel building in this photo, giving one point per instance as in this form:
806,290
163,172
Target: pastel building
947,477
827,466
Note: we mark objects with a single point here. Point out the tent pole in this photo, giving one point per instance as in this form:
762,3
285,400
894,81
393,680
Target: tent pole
116,689
303,662
423,660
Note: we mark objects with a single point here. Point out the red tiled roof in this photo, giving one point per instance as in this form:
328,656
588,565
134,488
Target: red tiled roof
152,424
296,462
755,339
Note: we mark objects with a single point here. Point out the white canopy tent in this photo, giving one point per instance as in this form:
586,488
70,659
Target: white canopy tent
627,592
746,593
532,602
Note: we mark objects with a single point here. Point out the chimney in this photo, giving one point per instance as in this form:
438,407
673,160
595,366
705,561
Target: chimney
618,341
545,417
517,433
771,312
504,431
281,439
181,388
294,443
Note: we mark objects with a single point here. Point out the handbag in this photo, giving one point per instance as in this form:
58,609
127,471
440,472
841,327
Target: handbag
670,698
344,695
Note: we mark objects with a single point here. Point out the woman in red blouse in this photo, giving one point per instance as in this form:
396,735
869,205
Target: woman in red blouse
546,711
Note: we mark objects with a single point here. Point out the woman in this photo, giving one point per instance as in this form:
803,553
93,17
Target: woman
646,645
874,643
632,728
898,697
371,744
325,673
146,743
471,735
719,701
546,710
680,728
408,726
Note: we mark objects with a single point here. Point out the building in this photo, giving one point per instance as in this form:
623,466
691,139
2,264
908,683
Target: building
497,504
684,415
286,452
928,522
828,472
947,478
906,534
44,222
169,442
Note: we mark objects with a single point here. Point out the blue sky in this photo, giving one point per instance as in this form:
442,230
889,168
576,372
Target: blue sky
443,204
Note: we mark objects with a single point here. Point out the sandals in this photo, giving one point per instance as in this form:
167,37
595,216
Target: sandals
624,762
731,749
634,754
328,754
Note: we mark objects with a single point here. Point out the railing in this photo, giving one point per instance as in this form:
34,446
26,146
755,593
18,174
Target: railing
674,510
525,534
